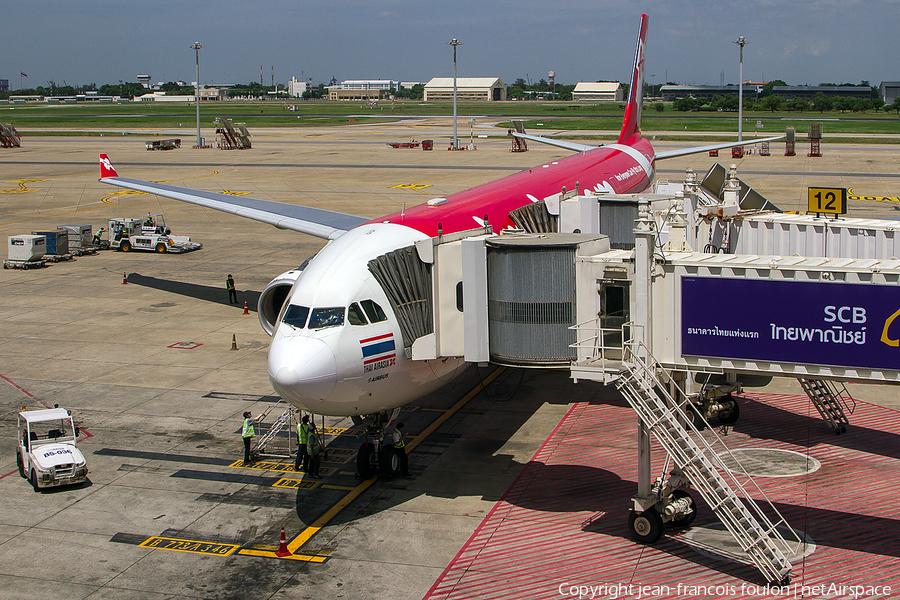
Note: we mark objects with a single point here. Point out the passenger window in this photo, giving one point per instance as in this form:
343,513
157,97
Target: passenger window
326,317
295,315
355,315
373,311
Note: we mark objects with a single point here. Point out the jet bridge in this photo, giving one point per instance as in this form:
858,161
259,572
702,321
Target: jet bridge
622,295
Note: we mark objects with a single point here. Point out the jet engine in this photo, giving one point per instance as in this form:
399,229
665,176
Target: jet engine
272,298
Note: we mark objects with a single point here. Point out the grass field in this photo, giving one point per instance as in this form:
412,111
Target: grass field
91,119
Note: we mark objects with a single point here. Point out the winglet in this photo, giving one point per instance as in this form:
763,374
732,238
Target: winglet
632,124
106,168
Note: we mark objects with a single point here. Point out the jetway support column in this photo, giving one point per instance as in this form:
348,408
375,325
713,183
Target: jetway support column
643,255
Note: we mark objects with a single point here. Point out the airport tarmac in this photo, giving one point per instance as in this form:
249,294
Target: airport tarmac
148,371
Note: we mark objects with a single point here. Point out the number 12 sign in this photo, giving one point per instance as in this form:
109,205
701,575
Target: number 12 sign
828,200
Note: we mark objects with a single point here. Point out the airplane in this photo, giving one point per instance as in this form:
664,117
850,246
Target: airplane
331,322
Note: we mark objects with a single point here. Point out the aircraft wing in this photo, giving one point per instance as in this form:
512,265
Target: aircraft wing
305,219
662,154
561,143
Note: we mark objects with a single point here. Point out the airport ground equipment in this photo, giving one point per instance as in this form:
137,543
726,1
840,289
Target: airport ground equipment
46,449
81,240
815,139
409,144
148,233
269,443
9,137
57,244
232,136
169,144
26,252
830,398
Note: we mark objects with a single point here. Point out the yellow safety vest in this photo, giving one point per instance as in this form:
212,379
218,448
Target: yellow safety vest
303,433
400,443
248,428
314,446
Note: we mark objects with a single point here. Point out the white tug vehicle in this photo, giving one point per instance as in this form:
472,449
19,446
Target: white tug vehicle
148,233
46,453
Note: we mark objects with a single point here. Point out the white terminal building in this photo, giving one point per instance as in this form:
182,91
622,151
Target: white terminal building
362,89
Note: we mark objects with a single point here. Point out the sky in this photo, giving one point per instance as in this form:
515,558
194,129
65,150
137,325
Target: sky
105,41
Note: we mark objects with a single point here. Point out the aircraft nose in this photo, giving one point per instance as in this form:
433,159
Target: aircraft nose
302,369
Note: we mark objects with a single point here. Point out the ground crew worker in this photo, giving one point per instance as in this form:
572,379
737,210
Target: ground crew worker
97,237
248,433
232,294
302,441
400,449
314,447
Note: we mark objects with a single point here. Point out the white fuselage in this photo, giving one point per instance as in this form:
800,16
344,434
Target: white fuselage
337,348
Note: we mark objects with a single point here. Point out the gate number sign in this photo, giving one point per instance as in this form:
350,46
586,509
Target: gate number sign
828,200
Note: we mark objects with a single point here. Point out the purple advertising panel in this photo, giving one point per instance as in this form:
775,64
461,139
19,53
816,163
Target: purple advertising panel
832,324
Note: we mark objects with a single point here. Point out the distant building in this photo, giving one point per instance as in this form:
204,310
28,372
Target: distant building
808,92
144,80
296,88
468,89
206,93
362,89
889,90
670,93
604,91
4,85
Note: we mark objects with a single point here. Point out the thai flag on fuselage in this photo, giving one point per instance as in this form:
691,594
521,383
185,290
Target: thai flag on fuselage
378,348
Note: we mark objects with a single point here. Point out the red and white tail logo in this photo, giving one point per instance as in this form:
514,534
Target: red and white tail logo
106,168
632,124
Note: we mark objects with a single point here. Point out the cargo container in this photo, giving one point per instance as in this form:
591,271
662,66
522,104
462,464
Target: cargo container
57,241
80,236
27,247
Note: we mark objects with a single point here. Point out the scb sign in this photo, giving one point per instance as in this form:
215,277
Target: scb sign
832,324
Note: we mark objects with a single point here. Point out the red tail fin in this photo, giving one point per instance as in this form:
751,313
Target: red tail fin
631,127
106,168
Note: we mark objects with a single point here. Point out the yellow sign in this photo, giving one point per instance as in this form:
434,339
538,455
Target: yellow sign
828,200
192,546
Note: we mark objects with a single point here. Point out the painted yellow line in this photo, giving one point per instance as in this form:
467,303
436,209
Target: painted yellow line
302,557
322,521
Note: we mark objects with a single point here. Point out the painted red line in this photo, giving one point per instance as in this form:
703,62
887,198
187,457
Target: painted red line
84,432
8,474
377,337
487,519
23,390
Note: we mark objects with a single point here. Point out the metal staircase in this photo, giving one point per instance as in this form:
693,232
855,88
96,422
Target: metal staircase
719,486
262,447
830,401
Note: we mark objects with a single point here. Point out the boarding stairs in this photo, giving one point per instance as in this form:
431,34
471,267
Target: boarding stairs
264,445
694,455
831,399
9,137
230,138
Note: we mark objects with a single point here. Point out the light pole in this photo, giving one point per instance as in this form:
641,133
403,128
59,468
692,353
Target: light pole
454,42
741,42
196,46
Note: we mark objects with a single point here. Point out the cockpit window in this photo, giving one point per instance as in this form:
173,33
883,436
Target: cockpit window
355,315
295,315
326,317
374,312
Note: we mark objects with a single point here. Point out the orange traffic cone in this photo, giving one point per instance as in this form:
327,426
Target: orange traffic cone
124,278
282,547
234,342
246,310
